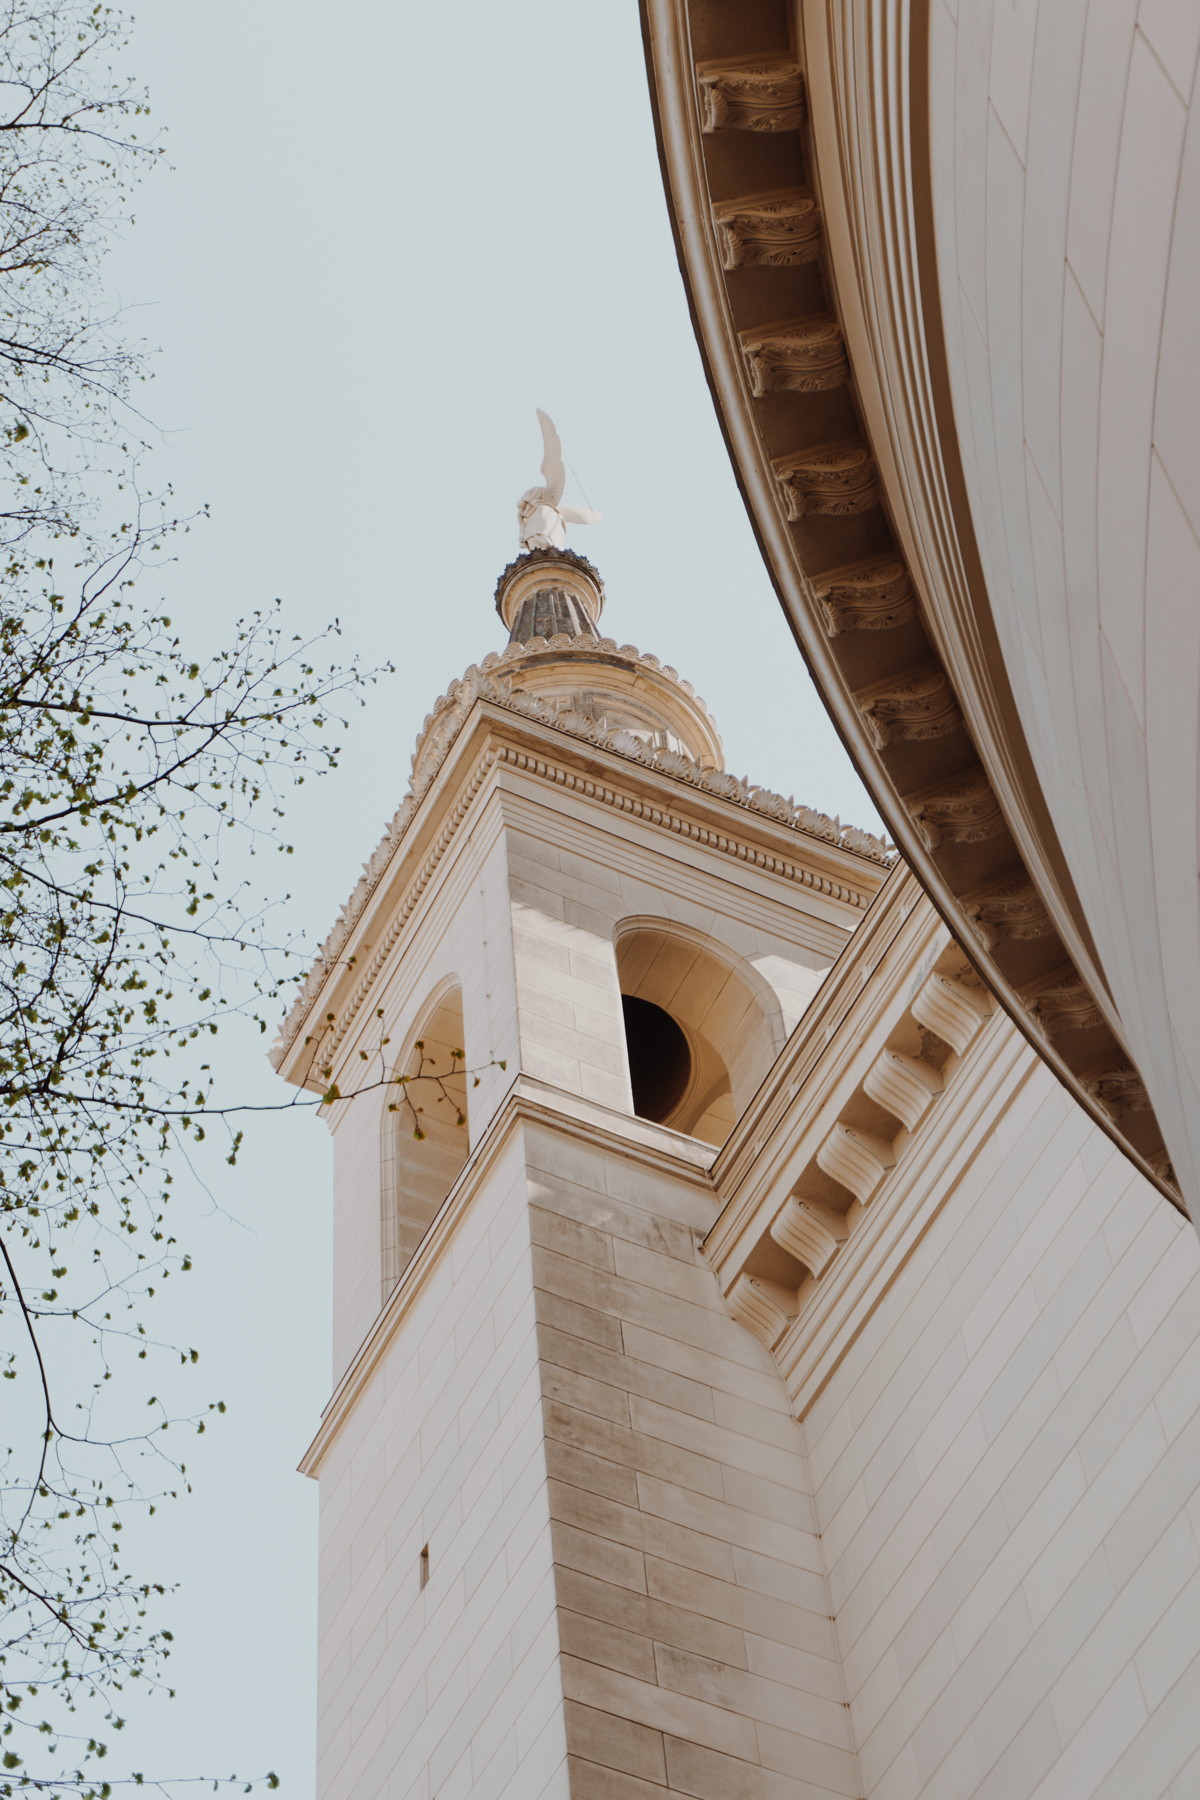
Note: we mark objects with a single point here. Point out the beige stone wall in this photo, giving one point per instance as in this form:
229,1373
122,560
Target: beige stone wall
571,888
973,1571
453,1688
1006,1469
1067,215
524,920
464,934
698,1654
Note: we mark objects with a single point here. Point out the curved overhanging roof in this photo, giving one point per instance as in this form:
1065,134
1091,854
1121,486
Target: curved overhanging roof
794,148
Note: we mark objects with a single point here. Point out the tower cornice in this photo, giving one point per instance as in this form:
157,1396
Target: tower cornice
710,809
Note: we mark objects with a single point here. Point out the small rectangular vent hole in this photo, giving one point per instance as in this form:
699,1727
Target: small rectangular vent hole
425,1566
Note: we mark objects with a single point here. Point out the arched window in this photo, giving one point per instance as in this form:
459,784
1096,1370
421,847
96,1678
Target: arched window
702,1027
423,1144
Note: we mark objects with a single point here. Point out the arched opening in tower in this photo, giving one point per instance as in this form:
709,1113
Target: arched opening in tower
701,1028
660,1060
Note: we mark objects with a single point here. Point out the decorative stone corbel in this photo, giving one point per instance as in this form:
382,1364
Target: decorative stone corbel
963,810
798,356
830,478
919,705
866,596
1011,907
777,230
751,93
1164,1168
856,1159
902,1086
763,1307
1062,1001
948,1009
1119,1090
802,1235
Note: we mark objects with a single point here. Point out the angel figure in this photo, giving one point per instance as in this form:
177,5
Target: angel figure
541,519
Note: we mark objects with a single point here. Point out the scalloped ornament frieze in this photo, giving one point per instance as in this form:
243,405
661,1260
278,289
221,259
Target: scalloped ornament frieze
918,705
961,810
751,93
797,356
875,595
834,479
778,230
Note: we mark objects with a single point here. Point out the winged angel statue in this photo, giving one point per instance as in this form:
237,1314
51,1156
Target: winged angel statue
541,518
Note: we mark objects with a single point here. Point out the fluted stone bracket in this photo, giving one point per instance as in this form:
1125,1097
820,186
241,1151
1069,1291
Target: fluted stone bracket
876,1049
857,1159
763,1307
751,93
949,1010
903,1086
798,1231
798,356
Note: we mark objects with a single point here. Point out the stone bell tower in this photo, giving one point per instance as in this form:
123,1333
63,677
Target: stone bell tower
754,1377
567,1540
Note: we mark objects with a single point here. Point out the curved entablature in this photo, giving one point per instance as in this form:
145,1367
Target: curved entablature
787,167
424,1134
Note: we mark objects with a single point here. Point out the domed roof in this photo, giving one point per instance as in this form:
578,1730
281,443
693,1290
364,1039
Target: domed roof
551,601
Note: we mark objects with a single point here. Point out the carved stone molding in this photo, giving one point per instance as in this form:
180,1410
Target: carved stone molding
920,704
829,478
1164,1168
963,810
866,596
872,175
1062,1001
751,93
948,1009
798,356
902,1086
1011,907
856,1159
762,1307
776,230
1119,1090
802,1235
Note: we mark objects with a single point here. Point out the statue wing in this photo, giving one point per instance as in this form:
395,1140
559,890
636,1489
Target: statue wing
580,515
552,461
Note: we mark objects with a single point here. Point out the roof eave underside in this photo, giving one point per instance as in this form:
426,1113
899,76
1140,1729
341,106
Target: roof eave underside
871,549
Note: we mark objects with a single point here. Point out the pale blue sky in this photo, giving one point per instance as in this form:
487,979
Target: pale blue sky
391,232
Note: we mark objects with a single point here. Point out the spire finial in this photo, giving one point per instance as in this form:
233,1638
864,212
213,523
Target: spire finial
542,520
